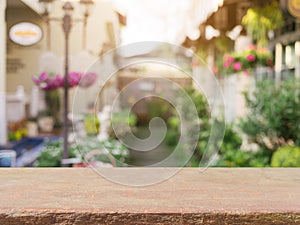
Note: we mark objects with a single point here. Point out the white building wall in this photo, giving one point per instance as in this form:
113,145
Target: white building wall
101,14
2,73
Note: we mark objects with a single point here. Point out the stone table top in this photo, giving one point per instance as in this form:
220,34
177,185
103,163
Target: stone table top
216,194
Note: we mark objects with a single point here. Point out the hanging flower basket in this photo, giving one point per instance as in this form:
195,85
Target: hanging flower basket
244,61
50,81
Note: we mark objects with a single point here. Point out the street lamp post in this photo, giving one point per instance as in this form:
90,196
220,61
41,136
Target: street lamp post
66,25
68,8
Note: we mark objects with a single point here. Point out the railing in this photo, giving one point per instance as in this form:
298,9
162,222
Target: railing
214,196
267,73
290,25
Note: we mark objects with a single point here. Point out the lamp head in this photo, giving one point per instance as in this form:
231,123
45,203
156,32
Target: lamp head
46,1
87,2
46,4
68,8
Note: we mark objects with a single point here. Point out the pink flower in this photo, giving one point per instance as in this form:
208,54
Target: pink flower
270,61
226,64
237,66
252,47
263,50
251,58
230,59
246,72
225,56
215,69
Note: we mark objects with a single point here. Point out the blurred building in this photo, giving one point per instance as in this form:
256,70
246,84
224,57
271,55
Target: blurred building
209,29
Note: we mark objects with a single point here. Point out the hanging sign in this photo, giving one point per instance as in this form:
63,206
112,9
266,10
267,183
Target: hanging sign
25,33
294,8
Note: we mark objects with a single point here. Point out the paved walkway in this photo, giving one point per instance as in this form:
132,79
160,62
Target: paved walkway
147,158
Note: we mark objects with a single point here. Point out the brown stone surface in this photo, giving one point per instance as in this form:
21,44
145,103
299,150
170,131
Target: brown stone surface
215,196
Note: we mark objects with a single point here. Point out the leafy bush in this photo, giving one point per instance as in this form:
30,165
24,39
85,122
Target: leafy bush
274,116
52,154
232,140
158,107
203,112
122,121
114,147
240,158
288,156
230,154
122,117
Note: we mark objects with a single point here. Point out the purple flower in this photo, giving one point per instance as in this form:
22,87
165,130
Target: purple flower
73,79
36,79
43,76
55,81
87,80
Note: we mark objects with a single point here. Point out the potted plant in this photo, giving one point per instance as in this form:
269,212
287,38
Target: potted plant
52,99
51,84
259,21
32,127
46,121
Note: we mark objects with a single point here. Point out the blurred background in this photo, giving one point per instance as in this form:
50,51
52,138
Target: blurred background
250,47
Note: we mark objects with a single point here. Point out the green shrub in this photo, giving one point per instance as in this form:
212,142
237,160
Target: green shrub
122,117
274,116
158,107
122,120
232,140
230,154
240,158
203,112
52,154
288,156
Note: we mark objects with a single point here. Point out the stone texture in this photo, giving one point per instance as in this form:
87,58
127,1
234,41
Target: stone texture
215,196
